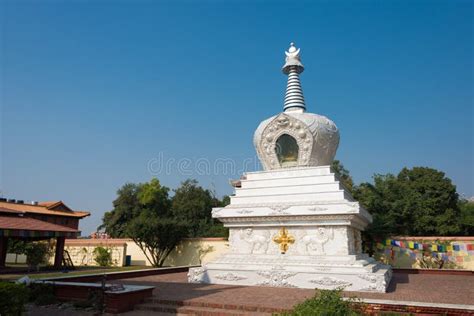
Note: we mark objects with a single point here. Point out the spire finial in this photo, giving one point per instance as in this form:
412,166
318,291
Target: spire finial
293,59
292,48
294,100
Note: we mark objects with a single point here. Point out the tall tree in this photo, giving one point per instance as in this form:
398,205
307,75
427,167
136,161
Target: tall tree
142,212
417,202
193,205
343,174
467,217
156,235
126,207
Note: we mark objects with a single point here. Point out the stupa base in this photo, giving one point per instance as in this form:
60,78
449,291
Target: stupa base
352,273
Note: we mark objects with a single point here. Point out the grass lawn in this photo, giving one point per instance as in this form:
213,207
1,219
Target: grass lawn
78,271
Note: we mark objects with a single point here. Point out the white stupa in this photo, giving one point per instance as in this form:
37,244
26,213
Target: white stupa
294,224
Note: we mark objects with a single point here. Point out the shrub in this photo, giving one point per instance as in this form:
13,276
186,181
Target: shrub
37,253
42,294
103,256
327,303
13,298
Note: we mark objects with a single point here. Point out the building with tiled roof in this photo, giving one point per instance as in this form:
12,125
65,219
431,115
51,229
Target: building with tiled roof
38,221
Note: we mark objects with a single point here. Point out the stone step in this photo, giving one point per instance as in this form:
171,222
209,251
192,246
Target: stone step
247,309
146,313
289,173
289,189
155,308
276,182
295,197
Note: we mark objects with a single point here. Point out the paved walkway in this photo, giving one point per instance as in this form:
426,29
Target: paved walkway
428,288
439,289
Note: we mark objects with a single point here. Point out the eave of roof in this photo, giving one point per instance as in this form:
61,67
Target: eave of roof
40,209
28,223
5,210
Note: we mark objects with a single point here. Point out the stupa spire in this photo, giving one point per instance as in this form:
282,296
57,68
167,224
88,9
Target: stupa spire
294,100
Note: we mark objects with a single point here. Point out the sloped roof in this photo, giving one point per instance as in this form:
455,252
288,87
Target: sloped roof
27,223
48,203
57,208
4,210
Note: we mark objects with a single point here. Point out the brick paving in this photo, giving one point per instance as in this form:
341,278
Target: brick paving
174,295
33,310
442,289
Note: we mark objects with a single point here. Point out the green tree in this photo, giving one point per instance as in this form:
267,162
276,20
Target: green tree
343,174
193,204
126,207
142,212
17,246
37,253
225,200
417,202
155,197
467,217
156,236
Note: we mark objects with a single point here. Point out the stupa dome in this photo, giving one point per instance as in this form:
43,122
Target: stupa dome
295,138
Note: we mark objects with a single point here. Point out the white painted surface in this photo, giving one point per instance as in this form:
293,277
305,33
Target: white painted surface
326,227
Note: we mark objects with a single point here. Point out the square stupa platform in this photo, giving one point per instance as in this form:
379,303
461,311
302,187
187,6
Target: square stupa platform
322,224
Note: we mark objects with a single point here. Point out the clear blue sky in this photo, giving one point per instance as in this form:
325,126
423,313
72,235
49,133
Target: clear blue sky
92,91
